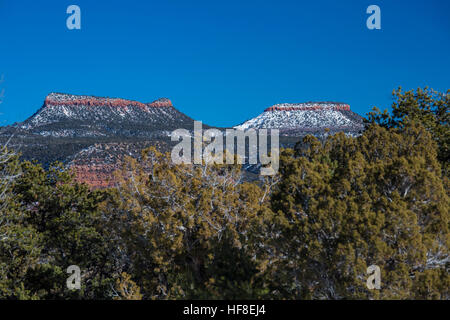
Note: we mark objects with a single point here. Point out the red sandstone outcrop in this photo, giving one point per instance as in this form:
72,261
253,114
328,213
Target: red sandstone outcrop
95,176
59,99
97,164
309,106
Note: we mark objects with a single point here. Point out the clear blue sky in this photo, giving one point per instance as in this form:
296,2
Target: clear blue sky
221,62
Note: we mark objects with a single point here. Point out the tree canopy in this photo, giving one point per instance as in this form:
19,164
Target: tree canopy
167,231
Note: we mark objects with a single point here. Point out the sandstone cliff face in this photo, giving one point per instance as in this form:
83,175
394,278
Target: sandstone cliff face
97,176
61,99
309,106
97,164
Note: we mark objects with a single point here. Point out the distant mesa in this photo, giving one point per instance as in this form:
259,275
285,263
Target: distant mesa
62,99
69,115
307,117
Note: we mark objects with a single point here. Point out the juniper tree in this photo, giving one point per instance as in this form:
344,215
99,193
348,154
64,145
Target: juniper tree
190,231
427,106
55,222
349,203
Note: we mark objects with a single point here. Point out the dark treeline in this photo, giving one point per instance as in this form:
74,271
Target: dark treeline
199,232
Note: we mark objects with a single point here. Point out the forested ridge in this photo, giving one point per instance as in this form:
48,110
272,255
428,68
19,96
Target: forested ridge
170,231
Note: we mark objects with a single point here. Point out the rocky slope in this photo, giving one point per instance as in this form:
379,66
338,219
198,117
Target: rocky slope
92,135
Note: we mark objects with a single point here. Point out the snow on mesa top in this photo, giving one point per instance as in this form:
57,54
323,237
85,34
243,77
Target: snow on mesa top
307,116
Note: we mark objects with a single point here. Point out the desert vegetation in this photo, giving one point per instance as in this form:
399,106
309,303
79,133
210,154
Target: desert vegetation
166,231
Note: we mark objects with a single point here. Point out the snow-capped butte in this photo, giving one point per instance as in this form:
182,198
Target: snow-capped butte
309,116
58,107
82,115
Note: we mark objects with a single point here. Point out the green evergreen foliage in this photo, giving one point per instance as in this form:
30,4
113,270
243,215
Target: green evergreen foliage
52,223
350,203
337,206
427,106
189,231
